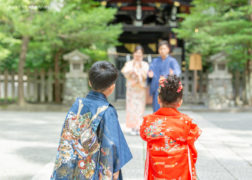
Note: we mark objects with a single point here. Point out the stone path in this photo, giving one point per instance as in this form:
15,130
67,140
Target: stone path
29,141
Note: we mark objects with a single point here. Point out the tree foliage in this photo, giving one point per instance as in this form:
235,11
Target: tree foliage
44,30
53,25
219,26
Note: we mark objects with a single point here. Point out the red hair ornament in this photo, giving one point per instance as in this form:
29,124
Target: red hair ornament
180,87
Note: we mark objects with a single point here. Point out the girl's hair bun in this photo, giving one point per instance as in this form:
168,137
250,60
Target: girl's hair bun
170,89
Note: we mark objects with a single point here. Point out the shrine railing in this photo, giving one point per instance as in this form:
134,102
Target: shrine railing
38,86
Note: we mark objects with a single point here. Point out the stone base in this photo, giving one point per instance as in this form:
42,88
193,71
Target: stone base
75,87
220,94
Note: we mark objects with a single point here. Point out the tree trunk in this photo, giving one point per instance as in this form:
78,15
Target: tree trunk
237,85
57,92
22,57
249,81
249,72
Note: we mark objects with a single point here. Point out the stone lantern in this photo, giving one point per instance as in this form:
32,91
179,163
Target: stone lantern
76,84
220,89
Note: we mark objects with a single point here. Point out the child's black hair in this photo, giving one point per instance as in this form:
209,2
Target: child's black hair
102,75
171,90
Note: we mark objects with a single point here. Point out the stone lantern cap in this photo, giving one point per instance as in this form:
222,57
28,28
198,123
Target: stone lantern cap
219,61
76,56
218,58
76,62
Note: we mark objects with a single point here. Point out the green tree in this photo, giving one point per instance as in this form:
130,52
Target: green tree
3,51
221,26
18,20
79,24
52,28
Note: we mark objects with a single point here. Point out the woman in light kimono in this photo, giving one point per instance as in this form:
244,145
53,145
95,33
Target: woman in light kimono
135,71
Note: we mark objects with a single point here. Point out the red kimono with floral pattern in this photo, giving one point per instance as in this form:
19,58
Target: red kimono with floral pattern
170,137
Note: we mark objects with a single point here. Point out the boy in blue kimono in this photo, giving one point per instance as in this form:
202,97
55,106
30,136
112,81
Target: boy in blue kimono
160,68
92,145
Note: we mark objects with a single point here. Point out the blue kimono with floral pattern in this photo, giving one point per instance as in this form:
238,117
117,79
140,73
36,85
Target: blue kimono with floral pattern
92,145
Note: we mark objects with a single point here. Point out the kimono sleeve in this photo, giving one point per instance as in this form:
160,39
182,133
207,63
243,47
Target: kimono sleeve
175,67
143,129
154,81
193,135
151,68
145,70
127,69
115,152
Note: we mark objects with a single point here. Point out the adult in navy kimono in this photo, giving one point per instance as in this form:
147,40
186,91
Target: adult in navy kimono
160,68
92,145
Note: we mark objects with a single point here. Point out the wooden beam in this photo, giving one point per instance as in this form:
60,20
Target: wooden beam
132,28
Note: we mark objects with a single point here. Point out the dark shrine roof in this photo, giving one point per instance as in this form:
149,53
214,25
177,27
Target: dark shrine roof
183,2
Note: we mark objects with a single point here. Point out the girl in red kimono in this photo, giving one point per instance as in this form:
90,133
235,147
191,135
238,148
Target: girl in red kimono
170,136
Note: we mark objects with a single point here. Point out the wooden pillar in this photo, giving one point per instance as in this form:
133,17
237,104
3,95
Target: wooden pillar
22,58
201,84
42,85
50,86
237,86
35,85
249,71
244,87
195,65
57,92
0,85
195,83
62,82
29,85
6,75
186,84
13,85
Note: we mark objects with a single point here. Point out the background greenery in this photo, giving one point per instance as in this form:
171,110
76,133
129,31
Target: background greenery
76,24
219,26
